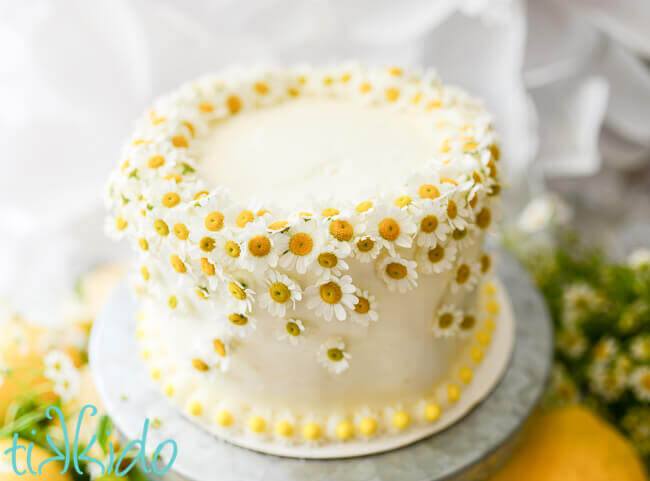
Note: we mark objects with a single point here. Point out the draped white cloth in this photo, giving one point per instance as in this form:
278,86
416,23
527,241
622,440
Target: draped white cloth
76,73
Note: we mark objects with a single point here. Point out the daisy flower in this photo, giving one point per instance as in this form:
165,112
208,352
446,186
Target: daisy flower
332,297
640,348
258,248
300,246
366,248
572,343
579,299
425,188
240,324
67,386
292,331
639,258
238,216
463,238
606,382
399,274
639,381
457,213
438,259
392,227
208,213
281,292
365,309
211,350
466,276
58,365
431,228
446,321
467,324
605,349
333,356
329,264
366,421
224,248
240,295
116,227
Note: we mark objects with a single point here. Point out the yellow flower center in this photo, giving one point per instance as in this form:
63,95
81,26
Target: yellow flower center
327,260
232,249
389,229
395,270
362,306
293,91
476,177
279,292
145,273
334,354
452,209
346,77
468,322
473,201
219,347
292,328
436,254
234,104
177,264
200,194
331,293
470,146
200,293
329,212
429,224
199,365
155,161
448,181
179,141
189,126
237,291
181,231
207,267
120,223
395,71
206,244
486,262
434,104
463,273
171,199
645,381
262,212
341,230
484,218
428,191
366,244
176,177
261,88
214,221
301,244
365,87
259,246
206,107
459,234
392,94
238,319
278,225
328,81
244,217
363,206
402,201
445,320
172,302
144,245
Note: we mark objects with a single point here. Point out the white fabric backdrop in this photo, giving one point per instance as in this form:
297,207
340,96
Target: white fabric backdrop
76,73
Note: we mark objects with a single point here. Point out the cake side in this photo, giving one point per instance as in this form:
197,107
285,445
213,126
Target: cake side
298,306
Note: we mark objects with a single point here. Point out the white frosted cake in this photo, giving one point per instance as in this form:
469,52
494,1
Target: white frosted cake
311,266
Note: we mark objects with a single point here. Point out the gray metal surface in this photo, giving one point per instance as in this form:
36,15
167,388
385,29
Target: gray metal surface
469,450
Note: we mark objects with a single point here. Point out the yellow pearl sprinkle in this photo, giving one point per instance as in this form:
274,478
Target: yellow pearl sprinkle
155,373
368,426
195,408
344,430
465,374
225,418
169,390
311,431
257,424
401,419
392,94
483,338
284,428
490,288
179,141
490,325
493,307
453,393
432,412
477,354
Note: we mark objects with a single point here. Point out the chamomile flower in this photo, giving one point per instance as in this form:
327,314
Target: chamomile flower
431,227
239,293
280,294
116,227
342,229
579,299
300,245
240,324
639,381
58,365
332,297
67,386
292,331
329,263
225,248
609,383
259,250
239,216
457,213
463,238
365,309
333,356
467,324
572,343
446,321
605,349
640,348
466,275
366,248
436,259
207,213
399,274
392,227
211,350
639,258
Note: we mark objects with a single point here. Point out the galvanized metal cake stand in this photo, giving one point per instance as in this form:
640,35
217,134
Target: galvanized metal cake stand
469,450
